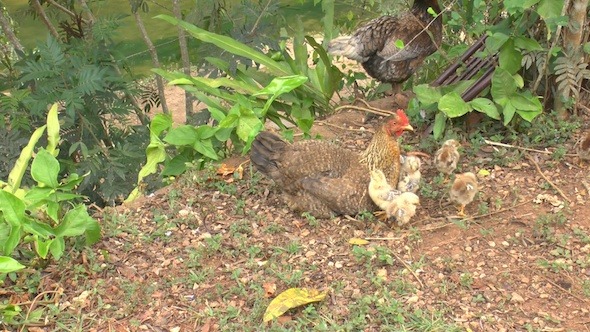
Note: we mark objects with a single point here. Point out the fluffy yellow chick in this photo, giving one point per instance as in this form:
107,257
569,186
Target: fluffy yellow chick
463,190
381,192
583,147
403,207
409,174
447,157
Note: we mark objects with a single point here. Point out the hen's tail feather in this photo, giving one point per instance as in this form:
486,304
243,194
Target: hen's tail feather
346,46
266,151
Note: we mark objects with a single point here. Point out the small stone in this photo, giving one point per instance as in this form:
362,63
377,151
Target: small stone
515,297
492,244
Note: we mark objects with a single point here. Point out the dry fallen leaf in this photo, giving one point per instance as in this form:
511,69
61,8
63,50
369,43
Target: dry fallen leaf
292,298
269,289
225,170
358,241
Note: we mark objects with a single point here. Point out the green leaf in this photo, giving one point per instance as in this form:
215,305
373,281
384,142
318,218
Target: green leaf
13,239
440,121
160,123
205,147
177,165
399,44
486,106
247,126
12,207
45,169
510,58
503,86
427,94
508,113
528,44
521,102
495,41
52,130
8,265
549,9
42,247
230,45
92,233
182,136
452,105
74,223
279,86
57,247
22,163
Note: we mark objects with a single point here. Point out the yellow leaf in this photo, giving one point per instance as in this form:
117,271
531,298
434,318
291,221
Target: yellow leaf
483,172
292,298
225,170
357,241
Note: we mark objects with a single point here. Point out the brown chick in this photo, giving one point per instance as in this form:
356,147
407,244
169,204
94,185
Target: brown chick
583,147
380,191
447,157
409,180
463,190
403,207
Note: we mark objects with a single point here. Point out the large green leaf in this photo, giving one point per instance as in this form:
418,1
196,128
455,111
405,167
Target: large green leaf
205,147
510,58
52,130
495,41
427,94
75,222
230,45
22,163
486,106
508,112
12,207
182,136
279,86
45,169
8,265
503,86
160,123
440,121
452,105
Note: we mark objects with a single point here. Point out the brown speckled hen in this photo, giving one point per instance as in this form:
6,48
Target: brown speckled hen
325,179
374,44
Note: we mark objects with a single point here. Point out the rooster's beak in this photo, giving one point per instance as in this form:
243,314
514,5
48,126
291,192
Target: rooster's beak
408,128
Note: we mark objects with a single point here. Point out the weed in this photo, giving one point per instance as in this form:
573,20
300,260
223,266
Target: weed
466,280
483,208
311,220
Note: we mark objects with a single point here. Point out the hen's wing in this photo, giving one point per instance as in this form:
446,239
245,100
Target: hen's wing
344,195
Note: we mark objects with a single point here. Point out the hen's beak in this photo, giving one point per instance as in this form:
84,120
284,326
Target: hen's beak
408,128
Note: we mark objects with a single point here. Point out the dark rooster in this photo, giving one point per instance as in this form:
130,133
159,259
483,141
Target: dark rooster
374,44
325,179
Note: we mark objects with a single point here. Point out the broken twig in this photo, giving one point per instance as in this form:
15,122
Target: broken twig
549,181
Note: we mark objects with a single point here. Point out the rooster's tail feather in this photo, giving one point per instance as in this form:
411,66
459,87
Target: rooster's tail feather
267,148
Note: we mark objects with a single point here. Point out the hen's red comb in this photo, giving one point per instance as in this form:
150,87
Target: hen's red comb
402,118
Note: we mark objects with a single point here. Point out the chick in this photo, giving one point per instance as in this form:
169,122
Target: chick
409,174
463,190
447,157
583,147
403,207
381,192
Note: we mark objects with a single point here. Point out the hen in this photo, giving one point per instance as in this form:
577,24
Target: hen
375,45
325,179
463,190
447,157
410,174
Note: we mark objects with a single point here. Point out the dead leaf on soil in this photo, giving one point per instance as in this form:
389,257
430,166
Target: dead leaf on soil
292,298
269,289
358,241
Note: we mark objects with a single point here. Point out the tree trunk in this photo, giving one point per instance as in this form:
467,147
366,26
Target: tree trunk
186,64
8,31
154,55
41,12
572,42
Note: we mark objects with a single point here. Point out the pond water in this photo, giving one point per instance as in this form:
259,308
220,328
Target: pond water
31,31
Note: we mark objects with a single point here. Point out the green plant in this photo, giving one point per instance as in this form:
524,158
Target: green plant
512,38
44,215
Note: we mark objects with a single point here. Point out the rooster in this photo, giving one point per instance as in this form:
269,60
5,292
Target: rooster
376,44
324,179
